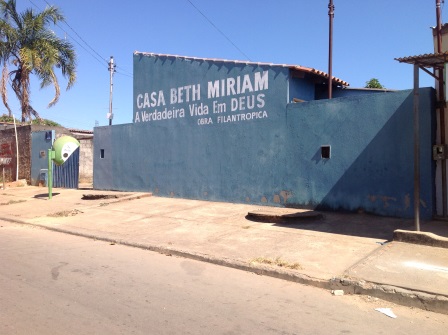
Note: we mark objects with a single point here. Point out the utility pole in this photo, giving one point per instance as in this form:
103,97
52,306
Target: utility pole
330,50
110,115
441,109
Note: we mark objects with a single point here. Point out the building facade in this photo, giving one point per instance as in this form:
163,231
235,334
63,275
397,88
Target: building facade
261,133
33,142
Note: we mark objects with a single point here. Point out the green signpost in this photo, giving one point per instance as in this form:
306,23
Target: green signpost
62,149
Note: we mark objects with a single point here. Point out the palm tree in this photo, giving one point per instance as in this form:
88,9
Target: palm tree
28,45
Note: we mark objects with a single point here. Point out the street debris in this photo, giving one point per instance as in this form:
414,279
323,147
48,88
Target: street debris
337,292
11,202
387,311
278,262
370,298
72,212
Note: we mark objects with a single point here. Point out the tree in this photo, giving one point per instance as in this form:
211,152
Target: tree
373,83
40,121
31,47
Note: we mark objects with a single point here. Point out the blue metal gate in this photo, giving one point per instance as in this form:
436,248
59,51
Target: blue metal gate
67,174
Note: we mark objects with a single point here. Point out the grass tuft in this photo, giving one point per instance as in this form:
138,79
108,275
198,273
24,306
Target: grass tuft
277,262
11,202
65,213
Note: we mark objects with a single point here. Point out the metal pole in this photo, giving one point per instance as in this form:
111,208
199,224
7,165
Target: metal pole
17,149
330,50
439,27
50,173
442,110
416,151
112,70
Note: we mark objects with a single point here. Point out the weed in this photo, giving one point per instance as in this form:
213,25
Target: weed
278,262
11,202
65,213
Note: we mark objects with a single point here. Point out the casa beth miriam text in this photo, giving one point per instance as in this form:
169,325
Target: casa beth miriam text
228,100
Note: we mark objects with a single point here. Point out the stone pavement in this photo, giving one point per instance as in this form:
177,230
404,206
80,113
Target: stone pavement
352,252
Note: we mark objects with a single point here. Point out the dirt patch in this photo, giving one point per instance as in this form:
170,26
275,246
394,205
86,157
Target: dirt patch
72,212
11,202
18,183
277,262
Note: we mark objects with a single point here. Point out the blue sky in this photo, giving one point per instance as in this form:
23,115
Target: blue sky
367,36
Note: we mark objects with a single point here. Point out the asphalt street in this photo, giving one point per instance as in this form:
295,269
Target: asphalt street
53,283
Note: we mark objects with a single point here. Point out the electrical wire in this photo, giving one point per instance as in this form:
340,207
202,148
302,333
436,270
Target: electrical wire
123,73
95,54
219,30
100,59
80,37
92,52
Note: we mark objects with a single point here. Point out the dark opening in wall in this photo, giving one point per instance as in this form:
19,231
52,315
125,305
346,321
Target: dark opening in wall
325,151
101,153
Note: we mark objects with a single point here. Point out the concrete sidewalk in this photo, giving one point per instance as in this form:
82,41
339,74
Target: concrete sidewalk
353,252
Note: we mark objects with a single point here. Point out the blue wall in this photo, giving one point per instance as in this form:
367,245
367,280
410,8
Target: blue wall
301,89
371,164
274,159
168,88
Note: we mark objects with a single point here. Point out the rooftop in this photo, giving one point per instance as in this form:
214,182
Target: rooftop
436,60
299,68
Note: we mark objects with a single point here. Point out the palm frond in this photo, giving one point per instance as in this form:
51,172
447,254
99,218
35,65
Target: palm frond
3,89
28,43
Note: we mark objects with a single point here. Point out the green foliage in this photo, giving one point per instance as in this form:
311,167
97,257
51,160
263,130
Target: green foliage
7,118
30,47
45,122
42,122
373,83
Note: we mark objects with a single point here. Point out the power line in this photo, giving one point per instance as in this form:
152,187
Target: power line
81,37
123,73
100,59
219,30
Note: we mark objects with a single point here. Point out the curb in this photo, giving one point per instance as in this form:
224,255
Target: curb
402,296
223,261
399,295
419,237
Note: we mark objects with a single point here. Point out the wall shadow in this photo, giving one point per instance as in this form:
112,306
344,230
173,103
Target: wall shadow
356,224
381,179
372,153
